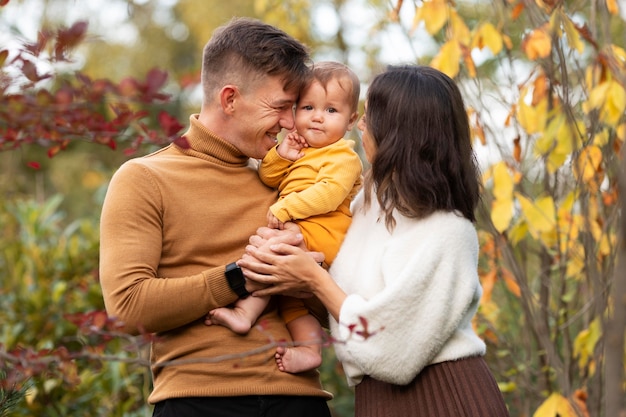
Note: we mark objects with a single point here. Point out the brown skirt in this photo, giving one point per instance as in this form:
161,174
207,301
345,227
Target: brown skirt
463,388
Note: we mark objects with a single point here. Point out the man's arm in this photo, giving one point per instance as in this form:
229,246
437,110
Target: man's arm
130,253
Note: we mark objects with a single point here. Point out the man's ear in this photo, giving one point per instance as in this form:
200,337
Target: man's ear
228,94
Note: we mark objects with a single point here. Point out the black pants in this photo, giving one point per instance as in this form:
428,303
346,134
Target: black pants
248,406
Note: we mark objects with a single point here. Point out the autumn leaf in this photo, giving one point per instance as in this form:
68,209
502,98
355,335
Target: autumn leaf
560,139
585,343
556,405
612,7
447,60
502,182
571,33
169,124
537,44
510,282
532,117
433,13
487,281
517,10
610,98
487,36
3,56
502,207
458,29
588,163
540,215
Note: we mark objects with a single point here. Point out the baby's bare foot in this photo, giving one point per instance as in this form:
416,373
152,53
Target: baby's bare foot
233,318
297,359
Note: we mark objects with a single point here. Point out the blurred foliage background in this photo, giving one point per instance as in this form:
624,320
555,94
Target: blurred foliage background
544,82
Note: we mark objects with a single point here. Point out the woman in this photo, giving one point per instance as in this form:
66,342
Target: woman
404,287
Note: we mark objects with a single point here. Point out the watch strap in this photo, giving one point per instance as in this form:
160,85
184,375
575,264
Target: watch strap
236,280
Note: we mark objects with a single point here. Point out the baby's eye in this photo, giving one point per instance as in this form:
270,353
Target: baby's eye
307,107
332,110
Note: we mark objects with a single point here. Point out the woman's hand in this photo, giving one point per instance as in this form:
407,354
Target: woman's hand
274,258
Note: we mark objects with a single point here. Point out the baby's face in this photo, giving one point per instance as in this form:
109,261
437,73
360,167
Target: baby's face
324,115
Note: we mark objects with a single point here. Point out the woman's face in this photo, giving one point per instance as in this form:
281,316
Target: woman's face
369,145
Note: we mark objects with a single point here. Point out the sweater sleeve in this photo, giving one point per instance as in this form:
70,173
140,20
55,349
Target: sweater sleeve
335,181
430,293
273,168
130,251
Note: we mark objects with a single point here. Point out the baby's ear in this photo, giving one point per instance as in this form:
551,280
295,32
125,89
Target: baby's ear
353,119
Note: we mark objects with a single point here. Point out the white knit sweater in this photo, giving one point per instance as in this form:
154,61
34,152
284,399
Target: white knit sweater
415,289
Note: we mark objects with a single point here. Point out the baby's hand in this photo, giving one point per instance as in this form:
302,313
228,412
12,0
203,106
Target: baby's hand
273,222
291,146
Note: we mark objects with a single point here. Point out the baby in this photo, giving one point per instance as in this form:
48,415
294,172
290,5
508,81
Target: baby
317,173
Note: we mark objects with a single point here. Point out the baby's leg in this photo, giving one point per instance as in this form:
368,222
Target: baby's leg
306,332
241,317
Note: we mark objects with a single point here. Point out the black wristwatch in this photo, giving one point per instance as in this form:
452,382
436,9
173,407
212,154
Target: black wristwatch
236,280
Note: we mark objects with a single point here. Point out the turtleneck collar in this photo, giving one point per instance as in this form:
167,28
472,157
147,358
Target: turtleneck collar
204,143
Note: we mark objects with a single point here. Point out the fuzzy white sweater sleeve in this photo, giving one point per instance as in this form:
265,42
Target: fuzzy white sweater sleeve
411,294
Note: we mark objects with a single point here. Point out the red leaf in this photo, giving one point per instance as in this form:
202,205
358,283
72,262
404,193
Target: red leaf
34,165
169,124
182,142
155,79
69,38
53,151
30,71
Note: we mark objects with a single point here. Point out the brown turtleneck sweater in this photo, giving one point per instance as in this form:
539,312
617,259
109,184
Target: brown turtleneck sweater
171,222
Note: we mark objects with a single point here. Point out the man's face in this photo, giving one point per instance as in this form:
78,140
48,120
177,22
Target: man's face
261,113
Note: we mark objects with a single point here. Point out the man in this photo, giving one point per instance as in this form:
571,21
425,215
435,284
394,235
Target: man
174,222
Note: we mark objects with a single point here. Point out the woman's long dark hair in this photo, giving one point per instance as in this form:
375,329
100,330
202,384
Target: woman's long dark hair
424,160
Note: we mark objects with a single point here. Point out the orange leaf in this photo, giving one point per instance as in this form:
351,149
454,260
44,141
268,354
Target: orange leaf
511,283
487,281
537,44
517,149
612,7
517,10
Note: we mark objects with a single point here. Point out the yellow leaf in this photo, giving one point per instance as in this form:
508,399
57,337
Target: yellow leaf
588,163
575,263
458,29
610,98
585,343
612,6
433,13
447,60
518,232
555,405
615,104
502,213
571,33
502,182
537,44
487,35
507,386
539,215
621,132
532,117
601,138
